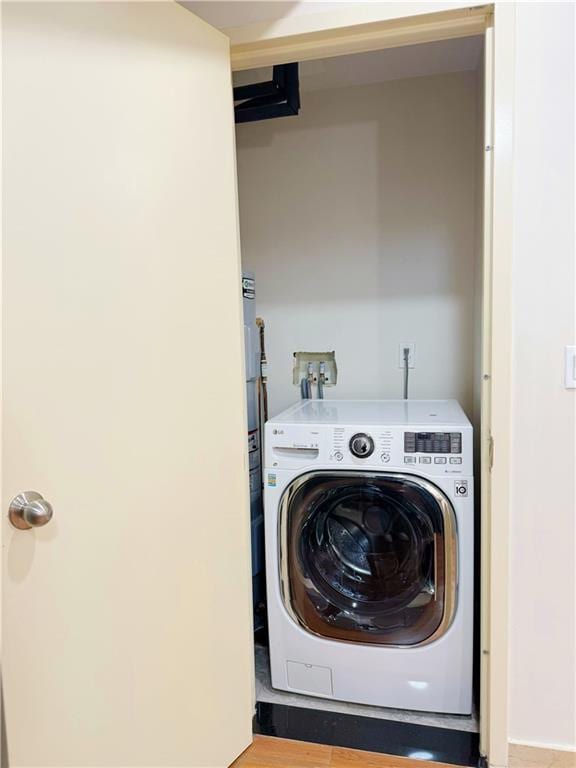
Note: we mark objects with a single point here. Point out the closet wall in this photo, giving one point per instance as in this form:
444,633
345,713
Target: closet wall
359,220
543,485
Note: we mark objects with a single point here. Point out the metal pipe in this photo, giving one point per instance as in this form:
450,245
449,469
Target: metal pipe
321,380
406,354
263,388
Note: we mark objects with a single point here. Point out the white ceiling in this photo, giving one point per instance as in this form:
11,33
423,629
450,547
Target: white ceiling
363,68
237,13
458,55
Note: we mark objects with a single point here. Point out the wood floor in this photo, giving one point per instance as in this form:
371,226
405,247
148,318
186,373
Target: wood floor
268,752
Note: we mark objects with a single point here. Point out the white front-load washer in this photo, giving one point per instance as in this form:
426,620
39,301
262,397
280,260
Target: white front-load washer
369,519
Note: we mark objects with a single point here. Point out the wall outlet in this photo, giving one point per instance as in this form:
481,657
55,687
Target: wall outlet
411,354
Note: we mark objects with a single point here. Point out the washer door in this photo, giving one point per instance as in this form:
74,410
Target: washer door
368,557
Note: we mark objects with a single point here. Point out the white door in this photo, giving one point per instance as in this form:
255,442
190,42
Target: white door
126,618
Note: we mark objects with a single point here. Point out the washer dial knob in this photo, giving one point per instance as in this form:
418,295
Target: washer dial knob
361,445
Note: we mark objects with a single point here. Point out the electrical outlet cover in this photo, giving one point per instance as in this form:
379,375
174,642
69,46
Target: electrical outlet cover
303,359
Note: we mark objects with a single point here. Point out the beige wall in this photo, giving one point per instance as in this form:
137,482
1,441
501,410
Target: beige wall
542,590
358,218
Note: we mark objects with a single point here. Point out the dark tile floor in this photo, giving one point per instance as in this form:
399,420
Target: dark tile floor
368,733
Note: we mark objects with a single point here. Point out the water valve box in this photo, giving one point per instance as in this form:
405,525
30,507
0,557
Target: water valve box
303,359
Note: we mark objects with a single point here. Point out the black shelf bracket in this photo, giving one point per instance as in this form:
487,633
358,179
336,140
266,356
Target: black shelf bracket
279,97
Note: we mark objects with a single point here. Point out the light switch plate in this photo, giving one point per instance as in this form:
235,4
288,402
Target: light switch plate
570,367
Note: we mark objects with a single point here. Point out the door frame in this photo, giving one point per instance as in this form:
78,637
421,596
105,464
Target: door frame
394,30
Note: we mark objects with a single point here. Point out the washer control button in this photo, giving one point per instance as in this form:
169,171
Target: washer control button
425,460
440,460
455,460
338,455
409,459
385,458
361,445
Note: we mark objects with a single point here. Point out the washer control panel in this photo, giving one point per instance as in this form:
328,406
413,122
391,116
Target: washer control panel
433,442
361,445
389,448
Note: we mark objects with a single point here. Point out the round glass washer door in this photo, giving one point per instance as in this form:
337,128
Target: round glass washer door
368,557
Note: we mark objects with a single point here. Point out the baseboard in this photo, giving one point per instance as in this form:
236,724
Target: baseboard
533,756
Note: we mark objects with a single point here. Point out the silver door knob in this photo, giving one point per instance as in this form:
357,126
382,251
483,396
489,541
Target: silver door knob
29,510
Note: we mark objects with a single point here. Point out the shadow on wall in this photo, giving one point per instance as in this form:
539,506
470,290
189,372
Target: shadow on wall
238,13
359,219
349,174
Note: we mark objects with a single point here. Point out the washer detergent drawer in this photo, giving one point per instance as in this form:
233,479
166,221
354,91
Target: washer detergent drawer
309,678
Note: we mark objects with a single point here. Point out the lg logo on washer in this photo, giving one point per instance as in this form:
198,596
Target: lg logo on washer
461,488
